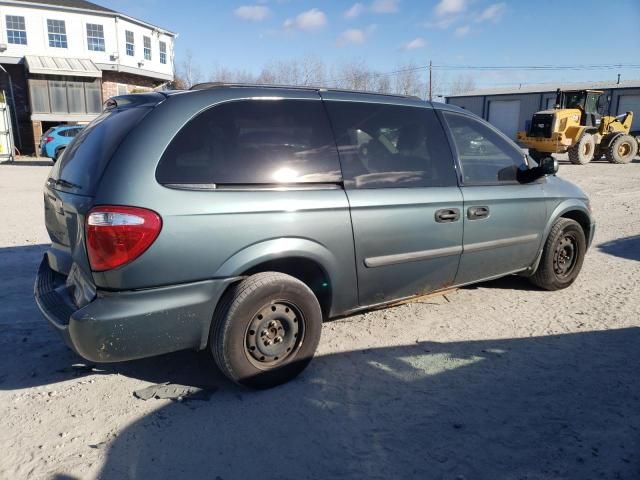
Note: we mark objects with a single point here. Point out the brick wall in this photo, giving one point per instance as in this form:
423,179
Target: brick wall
134,83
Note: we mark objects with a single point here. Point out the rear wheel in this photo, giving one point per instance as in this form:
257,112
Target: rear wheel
266,330
583,151
562,256
622,149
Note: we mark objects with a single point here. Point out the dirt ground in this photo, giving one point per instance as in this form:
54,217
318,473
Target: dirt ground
495,381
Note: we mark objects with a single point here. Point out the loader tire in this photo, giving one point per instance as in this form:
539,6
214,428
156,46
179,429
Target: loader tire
583,151
622,149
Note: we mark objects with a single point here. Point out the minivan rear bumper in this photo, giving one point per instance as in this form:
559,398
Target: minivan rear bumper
119,326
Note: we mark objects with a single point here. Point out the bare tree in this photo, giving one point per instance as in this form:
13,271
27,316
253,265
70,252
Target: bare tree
354,75
312,71
407,81
188,71
382,83
462,84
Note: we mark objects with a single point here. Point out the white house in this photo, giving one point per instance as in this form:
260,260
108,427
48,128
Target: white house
60,59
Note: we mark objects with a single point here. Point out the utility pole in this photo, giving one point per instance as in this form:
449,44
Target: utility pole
430,78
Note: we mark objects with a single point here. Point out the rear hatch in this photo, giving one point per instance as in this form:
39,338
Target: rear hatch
73,181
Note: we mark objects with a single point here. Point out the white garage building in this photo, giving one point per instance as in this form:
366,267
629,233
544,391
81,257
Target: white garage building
510,109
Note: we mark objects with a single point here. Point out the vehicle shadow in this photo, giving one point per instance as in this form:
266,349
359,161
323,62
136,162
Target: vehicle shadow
628,247
510,282
563,406
28,163
555,407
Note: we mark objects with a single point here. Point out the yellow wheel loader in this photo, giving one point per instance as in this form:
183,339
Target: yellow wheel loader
575,126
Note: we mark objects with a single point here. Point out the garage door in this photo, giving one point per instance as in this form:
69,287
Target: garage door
505,115
631,103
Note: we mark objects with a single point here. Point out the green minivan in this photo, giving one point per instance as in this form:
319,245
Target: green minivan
236,218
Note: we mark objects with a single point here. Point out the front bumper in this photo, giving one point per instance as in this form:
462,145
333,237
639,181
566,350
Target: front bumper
119,326
557,144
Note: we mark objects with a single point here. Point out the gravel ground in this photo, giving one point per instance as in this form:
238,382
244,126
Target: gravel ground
495,381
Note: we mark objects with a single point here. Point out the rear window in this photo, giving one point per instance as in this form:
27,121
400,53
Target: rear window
253,142
86,157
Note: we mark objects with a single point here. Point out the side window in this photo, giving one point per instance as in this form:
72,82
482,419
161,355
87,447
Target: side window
385,146
485,156
253,142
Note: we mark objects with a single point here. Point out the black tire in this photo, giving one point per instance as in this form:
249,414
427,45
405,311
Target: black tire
537,156
622,149
562,256
583,151
265,302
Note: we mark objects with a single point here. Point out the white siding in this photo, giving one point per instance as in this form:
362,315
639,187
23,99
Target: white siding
75,23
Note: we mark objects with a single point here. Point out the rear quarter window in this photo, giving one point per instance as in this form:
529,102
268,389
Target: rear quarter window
253,142
90,151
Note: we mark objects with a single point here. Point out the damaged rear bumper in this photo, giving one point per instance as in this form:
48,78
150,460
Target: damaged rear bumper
127,325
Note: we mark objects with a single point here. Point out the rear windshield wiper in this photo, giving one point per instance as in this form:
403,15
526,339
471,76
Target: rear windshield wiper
65,183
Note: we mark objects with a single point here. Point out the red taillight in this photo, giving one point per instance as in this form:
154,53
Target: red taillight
49,139
118,235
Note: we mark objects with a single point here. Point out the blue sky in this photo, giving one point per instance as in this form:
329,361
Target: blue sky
387,34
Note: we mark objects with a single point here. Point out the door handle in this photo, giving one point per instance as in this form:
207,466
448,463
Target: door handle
447,215
475,213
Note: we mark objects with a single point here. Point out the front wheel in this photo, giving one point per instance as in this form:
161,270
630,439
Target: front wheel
583,151
562,256
266,330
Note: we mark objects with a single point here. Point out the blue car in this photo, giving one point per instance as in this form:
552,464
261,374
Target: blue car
56,139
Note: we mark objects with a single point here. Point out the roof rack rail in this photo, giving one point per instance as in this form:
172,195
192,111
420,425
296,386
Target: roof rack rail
210,85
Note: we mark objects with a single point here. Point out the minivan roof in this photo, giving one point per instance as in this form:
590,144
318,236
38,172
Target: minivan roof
211,85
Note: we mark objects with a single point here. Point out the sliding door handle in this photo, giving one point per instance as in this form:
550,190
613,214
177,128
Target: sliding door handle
475,213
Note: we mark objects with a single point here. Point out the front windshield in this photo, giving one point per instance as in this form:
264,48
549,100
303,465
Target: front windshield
574,100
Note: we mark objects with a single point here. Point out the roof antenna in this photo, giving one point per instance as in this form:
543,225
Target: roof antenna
618,80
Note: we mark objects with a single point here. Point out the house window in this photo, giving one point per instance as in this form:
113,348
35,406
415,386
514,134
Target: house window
163,52
95,37
131,48
57,33
147,47
16,31
65,95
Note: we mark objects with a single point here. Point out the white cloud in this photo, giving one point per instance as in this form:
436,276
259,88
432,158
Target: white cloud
462,31
252,13
356,10
385,6
415,44
313,19
449,7
353,36
493,13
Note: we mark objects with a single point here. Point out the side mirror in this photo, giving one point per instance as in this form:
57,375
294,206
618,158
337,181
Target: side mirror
546,166
549,166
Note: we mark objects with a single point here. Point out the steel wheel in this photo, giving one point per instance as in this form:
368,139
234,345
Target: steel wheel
565,255
274,334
